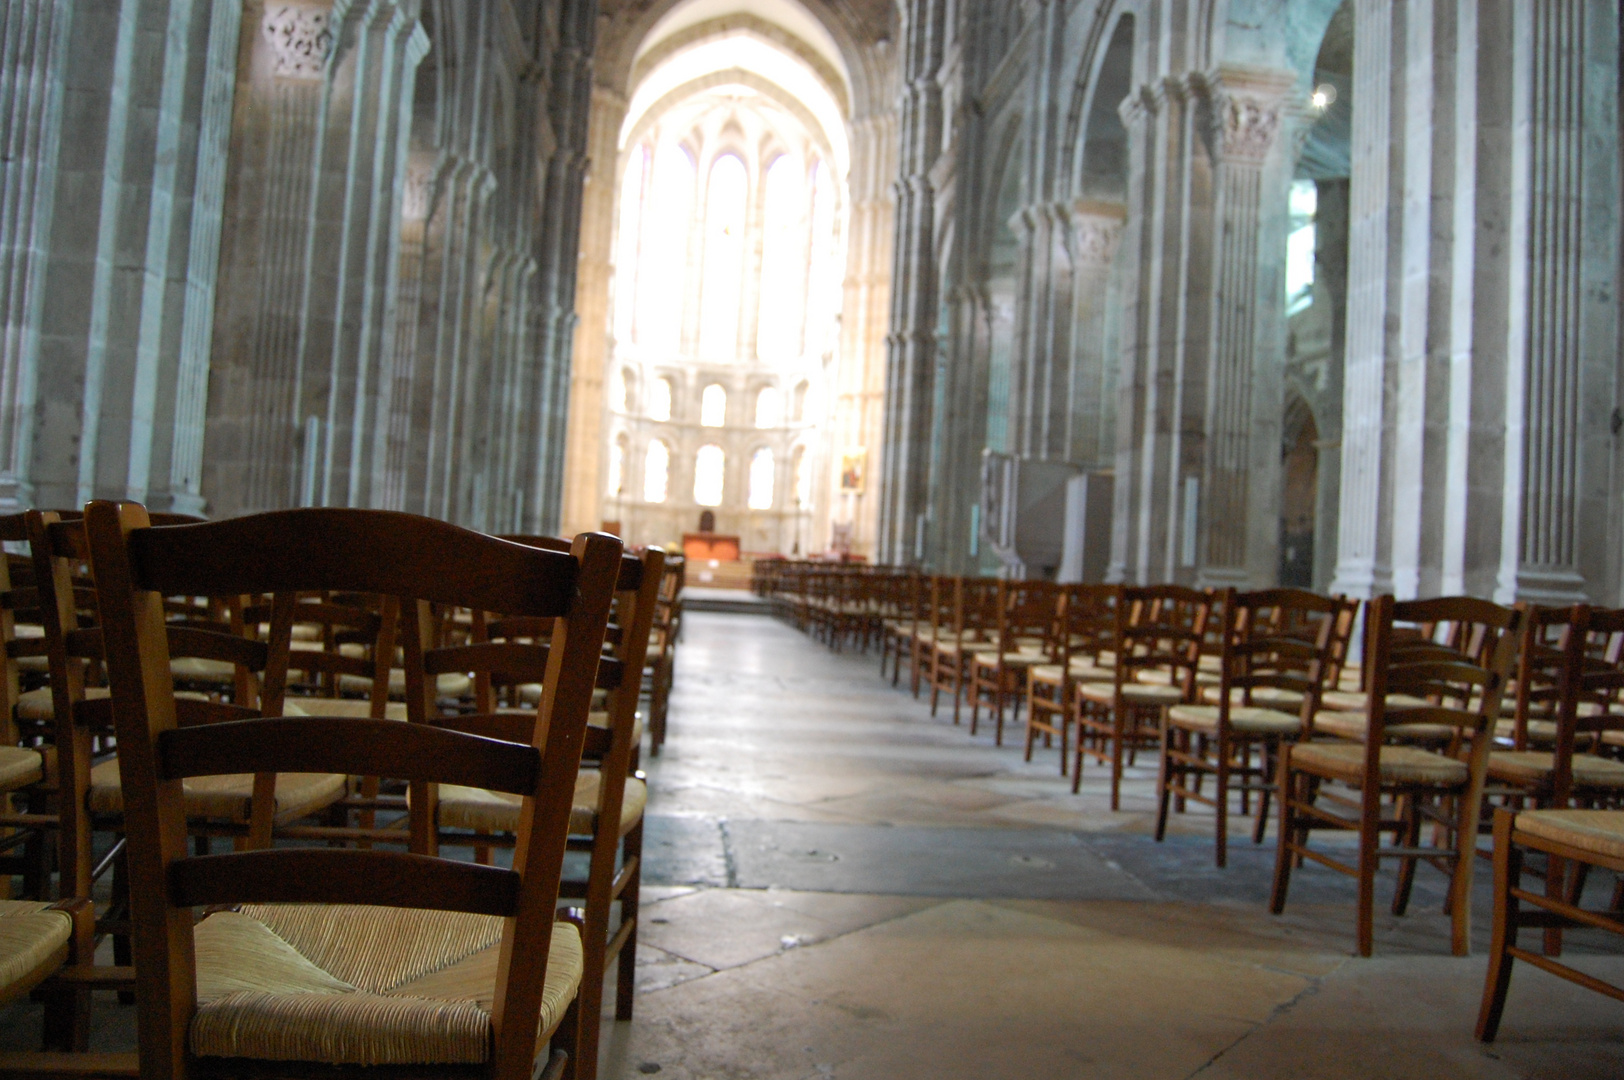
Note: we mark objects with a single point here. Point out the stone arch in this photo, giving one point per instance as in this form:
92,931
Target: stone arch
870,90
1108,21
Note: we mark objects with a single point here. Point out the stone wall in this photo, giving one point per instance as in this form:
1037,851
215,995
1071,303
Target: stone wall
1459,355
265,253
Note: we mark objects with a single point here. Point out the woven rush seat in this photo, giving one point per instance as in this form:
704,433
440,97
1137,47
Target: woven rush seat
1353,726
1356,700
359,985
1247,719
36,705
229,797
479,810
1598,831
1104,693
1533,766
1164,677
1080,671
1023,658
32,938
1269,697
329,706
448,685
20,766
1543,733
198,669
1399,764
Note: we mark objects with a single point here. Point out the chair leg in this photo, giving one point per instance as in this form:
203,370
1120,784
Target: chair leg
1267,753
1164,779
1119,731
1285,835
630,902
1221,780
1369,838
1507,872
1406,866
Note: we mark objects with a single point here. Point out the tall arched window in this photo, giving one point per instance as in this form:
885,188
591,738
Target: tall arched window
659,399
713,406
659,300
708,468
726,200
617,466
823,284
783,261
632,193
656,471
769,409
761,479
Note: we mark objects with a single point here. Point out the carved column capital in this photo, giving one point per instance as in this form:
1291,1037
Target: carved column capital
301,38
1096,230
1249,107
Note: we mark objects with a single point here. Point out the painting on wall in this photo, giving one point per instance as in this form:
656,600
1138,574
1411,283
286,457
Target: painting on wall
853,470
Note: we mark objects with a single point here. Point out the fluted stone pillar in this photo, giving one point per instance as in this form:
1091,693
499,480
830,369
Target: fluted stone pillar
1167,324
34,46
1238,482
911,343
262,451
1096,232
203,262
1560,350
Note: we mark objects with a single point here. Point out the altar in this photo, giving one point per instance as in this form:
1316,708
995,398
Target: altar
706,546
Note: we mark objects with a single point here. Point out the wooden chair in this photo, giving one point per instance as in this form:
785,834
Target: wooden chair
27,735
41,944
1085,624
1270,680
446,967
661,664
607,816
1157,626
908,604
1022,639
1583,837
1400,785
974,616
935,621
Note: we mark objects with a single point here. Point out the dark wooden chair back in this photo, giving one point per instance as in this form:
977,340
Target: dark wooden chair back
287,552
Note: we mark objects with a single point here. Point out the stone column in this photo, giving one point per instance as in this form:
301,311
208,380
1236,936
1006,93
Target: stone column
1364,548
1096,231
1166,337
859,382
1560,361
1042,373
570,106
1246,106
33,42
202,265
348,324
416,198
583,487
910,345
256,433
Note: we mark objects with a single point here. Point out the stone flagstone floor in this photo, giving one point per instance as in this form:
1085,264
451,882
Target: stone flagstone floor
843,886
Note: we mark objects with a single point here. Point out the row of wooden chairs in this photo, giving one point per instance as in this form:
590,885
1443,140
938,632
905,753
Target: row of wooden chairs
1252,695
454,966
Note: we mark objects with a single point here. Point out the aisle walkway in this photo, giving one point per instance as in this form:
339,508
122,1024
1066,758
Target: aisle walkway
849,888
